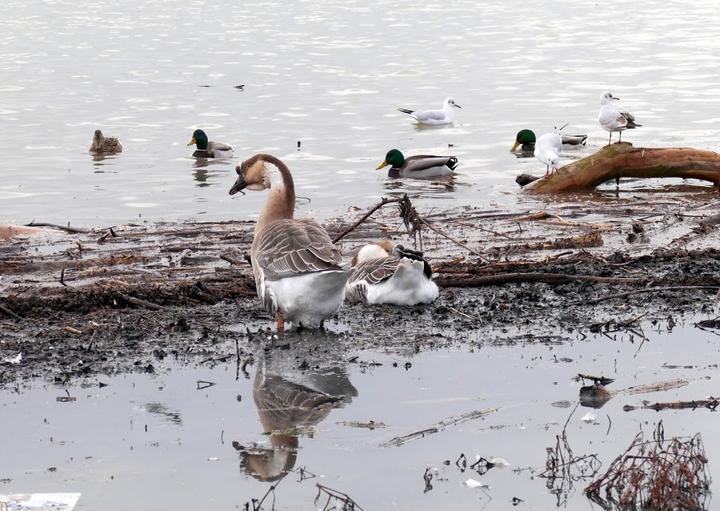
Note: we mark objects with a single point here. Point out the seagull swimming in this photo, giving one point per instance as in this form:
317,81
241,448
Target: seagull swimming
434,117
613,118
547,149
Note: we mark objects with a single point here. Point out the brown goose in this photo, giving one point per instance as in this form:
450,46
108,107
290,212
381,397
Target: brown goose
297,268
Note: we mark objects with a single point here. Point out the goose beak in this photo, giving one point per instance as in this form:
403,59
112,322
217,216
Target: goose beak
192,141
239,185
383,164
515,146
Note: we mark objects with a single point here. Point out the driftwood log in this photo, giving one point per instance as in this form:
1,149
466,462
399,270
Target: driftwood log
623,160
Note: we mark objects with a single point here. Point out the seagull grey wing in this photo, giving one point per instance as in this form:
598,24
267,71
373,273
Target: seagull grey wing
424,162
430,115
288,248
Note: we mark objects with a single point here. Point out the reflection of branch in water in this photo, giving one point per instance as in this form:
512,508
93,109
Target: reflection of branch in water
257,504
563,468
439,426
428,477
336,497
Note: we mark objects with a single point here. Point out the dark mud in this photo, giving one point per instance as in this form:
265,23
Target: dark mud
105,331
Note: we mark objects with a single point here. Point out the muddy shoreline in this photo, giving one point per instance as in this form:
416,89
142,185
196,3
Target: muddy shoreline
96,304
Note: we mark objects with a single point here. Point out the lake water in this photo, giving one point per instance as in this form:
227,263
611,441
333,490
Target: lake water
328,74
165,441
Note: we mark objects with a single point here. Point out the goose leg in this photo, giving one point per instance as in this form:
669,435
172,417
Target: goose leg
280,323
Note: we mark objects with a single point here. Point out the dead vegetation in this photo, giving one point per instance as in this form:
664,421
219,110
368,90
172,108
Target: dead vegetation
563,468
655,474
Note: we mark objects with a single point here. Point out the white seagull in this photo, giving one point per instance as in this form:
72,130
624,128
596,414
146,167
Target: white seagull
548,148
613,118
434,117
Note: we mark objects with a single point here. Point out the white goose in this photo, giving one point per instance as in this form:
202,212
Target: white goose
614,118
384,272
434,117
297,268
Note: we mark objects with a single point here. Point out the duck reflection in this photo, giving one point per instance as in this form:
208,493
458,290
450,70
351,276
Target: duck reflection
441,184
291,397
202,173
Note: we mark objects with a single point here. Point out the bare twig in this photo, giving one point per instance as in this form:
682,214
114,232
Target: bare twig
384,201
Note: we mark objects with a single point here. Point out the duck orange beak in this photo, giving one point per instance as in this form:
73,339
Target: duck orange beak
383,164
515,146
192,141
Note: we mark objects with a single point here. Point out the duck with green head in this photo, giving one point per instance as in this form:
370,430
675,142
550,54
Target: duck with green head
209,149
525,140
419,166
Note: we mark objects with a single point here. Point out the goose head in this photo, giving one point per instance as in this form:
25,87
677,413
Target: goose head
252,174
200,139
393,157
522,138
449,103
377,250
607,98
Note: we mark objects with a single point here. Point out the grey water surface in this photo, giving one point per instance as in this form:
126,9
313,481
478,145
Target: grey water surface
328,74
158,442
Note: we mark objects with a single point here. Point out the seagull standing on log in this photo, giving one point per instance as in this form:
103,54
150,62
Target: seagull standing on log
614,118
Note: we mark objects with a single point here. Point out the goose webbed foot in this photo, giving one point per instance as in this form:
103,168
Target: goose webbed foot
280,323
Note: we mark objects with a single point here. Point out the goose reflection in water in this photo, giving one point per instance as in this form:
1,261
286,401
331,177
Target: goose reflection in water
290,402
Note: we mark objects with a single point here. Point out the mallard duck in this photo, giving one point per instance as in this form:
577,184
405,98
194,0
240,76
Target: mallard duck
418,166
548,149
384,272
297,269
207,149
102,145
613,118
525,140
434,117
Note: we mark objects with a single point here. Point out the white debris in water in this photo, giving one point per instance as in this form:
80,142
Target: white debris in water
588,418
40,501
473,483
13,360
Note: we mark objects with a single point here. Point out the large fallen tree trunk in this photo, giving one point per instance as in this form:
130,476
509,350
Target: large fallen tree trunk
623,160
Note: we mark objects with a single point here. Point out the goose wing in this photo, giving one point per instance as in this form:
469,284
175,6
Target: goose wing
424,162
374,271
287,248
368,273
